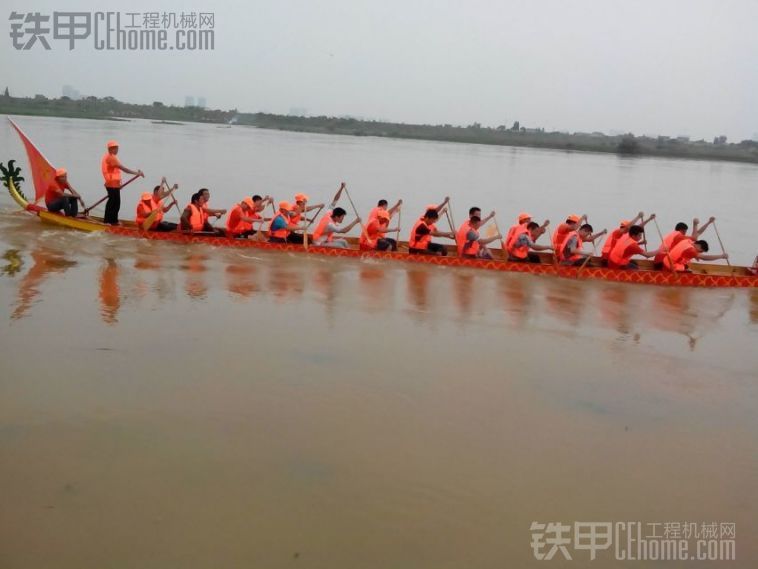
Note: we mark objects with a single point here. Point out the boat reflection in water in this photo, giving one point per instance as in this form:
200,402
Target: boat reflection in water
150,271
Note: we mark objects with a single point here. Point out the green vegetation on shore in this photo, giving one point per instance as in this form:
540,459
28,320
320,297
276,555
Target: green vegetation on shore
108,108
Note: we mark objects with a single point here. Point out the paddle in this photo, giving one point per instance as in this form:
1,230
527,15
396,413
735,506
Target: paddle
587,259
723,251
355,211
668,254
121,187
150,219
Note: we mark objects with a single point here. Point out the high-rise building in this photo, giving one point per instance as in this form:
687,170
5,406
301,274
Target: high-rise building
201,102
71,93
189,101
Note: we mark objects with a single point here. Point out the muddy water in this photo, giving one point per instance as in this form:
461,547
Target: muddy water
168,406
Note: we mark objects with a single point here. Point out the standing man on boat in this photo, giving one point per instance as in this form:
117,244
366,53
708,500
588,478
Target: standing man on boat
55,198
111,167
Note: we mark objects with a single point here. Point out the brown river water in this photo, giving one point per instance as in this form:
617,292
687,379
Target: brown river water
185,406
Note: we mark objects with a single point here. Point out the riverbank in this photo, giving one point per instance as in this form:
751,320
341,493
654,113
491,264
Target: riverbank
109,108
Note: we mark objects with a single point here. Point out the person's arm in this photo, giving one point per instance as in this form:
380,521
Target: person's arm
533,245
488,240
384,230
130,171
448,234
592,238
542,228
441,207
489,217
639,217
395,207
701,230
702,257
644,222
184,221
74,193
348,227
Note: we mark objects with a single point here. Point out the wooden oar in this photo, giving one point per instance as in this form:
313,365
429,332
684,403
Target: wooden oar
723,251
355,211
148,223
668,254
587,260
97,203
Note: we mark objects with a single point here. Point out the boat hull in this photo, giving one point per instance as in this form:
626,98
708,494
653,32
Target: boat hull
705,276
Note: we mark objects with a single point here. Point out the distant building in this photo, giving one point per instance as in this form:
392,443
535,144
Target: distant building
71,93
719,140
683,138
189,101
201,102
298,112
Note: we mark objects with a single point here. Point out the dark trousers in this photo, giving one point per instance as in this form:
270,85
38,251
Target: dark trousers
112,206
164,226
431,249
244,234
276,240
385,243
530,258
69,205
296,238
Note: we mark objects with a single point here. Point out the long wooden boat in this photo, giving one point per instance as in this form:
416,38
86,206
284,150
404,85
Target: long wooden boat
702,275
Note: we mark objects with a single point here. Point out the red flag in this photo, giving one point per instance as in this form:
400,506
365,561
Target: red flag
43,172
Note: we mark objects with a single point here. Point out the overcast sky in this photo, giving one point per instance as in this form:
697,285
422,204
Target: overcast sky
647,66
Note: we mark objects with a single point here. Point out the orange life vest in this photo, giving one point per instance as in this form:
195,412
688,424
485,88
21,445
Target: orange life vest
111,174
470,248
234,222
321,227
371,236
421,242
460,236
560,234
682,253
54,191
564,243
515,250
610,243
197,219
144,209
279,233
618,257
670,241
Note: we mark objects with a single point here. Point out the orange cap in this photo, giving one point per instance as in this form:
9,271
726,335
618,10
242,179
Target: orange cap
381,214
301,198
625,223
287,206
249,202
523,216
573,218
431,206
112,144
147,196
60,172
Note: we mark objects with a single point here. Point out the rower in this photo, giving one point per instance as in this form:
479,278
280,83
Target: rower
685,251
56,199
373,238
679,234
206,195
572,222
149,203
193,217
420,242
618,233
525,241
281,224
627,246
112,168
524,219
382,206
460,234
300,208
570,251
323,236
475,247
239,222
